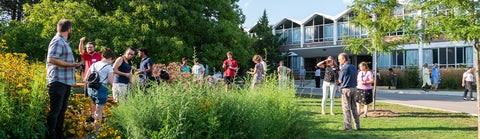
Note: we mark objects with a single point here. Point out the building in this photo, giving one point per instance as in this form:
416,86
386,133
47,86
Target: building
319,36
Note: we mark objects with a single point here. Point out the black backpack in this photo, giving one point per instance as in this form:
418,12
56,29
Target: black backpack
93,80
164,75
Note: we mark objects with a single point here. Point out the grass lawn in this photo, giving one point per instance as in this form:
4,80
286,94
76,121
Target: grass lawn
412,123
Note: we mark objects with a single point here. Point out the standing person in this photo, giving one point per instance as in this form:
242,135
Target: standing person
426,83
99,96
264,64
379,79
468,81
60,77
393,78
89,57
329,82
435,76
364,88
122,68
230,66
145,68
282,72
303,72
347,80
318,73
198,71
185,67
257,71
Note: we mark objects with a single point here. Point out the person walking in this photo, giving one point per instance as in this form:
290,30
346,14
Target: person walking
230,66
122,68
282,72
435,77
60,77
145,68
393,78
302,74
99,96
318,73
347,80
364,94
426,83
257,71
468,81
330,82
89,57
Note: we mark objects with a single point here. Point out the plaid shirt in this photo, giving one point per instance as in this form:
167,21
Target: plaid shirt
60,48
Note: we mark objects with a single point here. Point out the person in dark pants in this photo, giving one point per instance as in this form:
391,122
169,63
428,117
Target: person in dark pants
393,78
60,77
348,83
318,74
468,80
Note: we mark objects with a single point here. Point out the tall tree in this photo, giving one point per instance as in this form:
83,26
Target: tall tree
378,17
456,20
265,42
14,9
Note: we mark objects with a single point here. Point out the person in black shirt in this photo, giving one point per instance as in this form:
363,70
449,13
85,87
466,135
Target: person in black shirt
329,82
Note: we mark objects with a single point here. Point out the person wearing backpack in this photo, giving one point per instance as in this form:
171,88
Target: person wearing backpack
122,70
100,73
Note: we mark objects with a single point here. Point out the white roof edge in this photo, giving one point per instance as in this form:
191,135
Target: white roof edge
315,14
338,16
284,19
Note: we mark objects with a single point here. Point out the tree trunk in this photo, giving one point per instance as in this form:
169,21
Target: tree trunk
375,65
477,77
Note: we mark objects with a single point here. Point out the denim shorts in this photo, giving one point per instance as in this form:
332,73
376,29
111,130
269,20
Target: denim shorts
98,96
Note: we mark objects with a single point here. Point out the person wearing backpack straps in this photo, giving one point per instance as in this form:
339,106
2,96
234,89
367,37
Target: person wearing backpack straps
99,96
122,69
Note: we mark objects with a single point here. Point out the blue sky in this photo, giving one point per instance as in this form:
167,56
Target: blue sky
294,9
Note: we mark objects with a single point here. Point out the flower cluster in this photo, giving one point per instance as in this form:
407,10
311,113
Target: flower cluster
17,72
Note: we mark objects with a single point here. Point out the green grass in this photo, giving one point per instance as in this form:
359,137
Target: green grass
412,123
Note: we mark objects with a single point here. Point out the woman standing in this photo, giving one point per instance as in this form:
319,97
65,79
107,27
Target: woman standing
426,78
364,88
329,82
282,72
467,81
435,76
257,71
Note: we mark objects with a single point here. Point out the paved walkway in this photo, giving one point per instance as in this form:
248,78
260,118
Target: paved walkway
451,101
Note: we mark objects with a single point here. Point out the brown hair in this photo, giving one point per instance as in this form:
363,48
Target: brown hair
256,58
63,25
229,53
107,53
344,55
364,64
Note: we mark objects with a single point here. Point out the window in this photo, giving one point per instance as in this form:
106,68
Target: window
451,56
443,55
435,55
400,59
411,58
460,54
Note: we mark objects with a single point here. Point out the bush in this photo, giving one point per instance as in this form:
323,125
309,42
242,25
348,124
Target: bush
410,78
206,111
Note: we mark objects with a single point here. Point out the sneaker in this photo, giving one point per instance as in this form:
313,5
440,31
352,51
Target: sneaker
472,99
465,98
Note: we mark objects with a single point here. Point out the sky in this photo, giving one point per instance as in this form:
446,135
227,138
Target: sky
294,9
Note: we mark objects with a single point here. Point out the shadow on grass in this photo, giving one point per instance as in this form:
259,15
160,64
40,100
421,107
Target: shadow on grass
422,128
434,115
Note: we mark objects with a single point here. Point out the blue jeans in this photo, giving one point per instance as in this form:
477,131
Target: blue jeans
98,96
58,93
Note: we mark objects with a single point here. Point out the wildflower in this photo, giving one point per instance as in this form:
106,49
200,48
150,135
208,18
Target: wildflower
72,131
4,41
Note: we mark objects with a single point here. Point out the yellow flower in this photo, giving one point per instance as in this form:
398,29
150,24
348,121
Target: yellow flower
71,131
118,137
20,85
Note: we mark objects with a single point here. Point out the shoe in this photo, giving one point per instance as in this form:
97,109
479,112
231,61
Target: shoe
472,99
363,115
465,98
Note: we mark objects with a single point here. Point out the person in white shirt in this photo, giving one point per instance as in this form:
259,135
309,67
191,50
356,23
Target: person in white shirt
198,71
264,66
99,96
318,72
467,81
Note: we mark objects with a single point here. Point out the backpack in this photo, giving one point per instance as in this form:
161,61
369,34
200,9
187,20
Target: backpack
164,75
93,80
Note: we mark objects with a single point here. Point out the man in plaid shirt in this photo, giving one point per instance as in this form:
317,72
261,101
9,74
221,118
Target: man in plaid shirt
60,77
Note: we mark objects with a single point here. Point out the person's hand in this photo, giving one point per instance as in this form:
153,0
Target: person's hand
77,64
129,75
82,39
463,85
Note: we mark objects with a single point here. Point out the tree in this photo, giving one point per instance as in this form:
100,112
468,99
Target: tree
265,42
456,20
378,17
14,8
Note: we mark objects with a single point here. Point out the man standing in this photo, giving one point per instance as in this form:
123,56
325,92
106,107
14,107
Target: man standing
348,82
145,68
90,56
60,77
230,66
198,71
302,74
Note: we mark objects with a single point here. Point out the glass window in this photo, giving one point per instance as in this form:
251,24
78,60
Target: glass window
411,58
427,56
400,59
451,55
435,55
394,58
443,55
459,54
469,56
309,34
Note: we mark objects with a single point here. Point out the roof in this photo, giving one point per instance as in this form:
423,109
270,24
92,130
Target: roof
287,19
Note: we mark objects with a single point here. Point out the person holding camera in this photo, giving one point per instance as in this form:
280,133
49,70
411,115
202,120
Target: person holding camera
329,82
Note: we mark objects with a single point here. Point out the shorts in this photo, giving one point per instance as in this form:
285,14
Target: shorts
98,96
228,79
364,96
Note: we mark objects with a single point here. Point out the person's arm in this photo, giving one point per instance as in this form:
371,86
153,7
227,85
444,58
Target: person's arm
278,71
234,66
340,77
370,78
58,62
110,78
80,46
116,65
149,66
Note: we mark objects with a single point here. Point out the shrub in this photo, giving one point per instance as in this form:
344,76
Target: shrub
410,78
206,111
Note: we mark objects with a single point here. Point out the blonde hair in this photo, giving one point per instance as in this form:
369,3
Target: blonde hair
256,58
364,64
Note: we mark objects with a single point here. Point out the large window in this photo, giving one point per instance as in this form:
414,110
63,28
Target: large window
454,57
291,35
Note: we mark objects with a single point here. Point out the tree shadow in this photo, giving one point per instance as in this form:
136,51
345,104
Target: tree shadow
422,128
434,115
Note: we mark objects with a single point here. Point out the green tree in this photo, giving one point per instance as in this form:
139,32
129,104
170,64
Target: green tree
265,42
13,8
378,17
456,20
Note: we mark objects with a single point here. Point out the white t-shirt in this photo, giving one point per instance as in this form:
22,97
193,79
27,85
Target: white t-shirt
264,65
198,70
103,73
318,72
468,77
